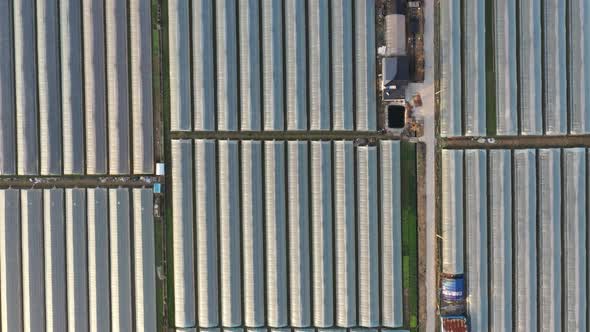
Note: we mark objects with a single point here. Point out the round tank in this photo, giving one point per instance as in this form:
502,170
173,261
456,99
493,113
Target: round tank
453,288
395,34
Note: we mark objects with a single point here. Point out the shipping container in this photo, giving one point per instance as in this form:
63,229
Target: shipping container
452,289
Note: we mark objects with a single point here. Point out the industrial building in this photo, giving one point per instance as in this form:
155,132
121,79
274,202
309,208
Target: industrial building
78,259
522,215
76,88
297,245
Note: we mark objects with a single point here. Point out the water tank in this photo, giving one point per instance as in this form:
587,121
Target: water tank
452,289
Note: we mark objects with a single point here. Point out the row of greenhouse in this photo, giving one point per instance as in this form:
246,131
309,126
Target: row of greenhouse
539,75
272,65
75,87
77,259
286,234
514,222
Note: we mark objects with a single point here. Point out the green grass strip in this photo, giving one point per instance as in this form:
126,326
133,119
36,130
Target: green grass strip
409,234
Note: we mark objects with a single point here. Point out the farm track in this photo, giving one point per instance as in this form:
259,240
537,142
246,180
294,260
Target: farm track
515,142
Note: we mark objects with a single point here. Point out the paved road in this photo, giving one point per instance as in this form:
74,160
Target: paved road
426,90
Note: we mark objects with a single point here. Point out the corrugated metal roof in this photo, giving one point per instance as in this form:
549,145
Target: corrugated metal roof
62,245
58,119
294,183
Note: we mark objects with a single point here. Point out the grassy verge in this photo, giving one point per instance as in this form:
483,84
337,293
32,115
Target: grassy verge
409,235
159,252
